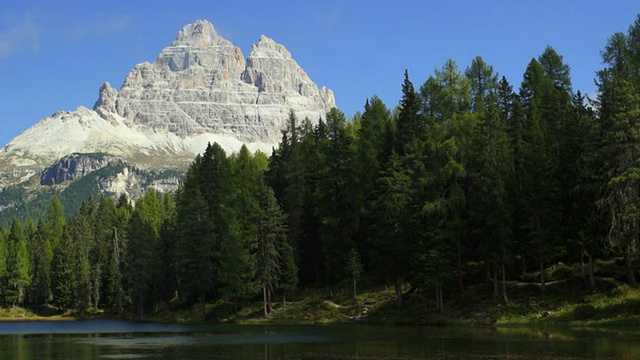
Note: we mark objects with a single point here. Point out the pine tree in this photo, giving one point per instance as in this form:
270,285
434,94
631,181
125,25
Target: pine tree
143,267
3,263
489,203
40,258
410,124
102,227
18,267
63,272
336,200
354,264
392,243
622,170
82,238
196,246
483,82
452,132
54,222
538,167
271,242
619,112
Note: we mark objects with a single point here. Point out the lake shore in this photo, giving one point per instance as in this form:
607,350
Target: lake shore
563,305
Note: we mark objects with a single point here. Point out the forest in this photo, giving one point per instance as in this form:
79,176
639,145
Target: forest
466,180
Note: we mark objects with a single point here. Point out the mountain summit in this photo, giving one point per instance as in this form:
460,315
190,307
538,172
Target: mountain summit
199,89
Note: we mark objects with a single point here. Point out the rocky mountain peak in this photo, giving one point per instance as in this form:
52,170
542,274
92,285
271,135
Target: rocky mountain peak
201,33
199,89
199,45
105,106
267,47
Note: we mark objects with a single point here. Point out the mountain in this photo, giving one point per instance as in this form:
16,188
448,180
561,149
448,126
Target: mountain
199,89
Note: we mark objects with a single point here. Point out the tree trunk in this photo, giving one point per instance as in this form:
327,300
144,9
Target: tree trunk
496,292
582,272
398,286
631,277
504,285
264,300
140,308
354,288
118,275
592,279
96,290
439,301
543,280
459,269
203,306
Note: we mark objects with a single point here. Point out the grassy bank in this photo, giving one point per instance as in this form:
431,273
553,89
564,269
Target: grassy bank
565,303
568,302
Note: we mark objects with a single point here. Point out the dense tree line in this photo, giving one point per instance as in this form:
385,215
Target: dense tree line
466,178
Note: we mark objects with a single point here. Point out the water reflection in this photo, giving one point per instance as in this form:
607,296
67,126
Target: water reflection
123,340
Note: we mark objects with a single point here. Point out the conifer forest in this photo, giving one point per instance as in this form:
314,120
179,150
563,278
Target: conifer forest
471,178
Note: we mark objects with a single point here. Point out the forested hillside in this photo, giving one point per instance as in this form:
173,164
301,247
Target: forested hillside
469,178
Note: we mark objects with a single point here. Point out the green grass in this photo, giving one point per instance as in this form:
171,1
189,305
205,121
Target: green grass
568,302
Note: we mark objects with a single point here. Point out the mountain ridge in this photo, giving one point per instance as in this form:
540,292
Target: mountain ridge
200,89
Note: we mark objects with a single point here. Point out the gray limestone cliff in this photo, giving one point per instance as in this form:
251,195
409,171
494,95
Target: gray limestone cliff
199,89
201,84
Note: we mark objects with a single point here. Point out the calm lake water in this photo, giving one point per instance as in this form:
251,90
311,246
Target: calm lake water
107,339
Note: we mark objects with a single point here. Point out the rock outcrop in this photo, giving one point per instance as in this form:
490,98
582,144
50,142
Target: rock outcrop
73,167
201,84
199,89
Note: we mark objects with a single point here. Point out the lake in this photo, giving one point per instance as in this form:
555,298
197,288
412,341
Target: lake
112,339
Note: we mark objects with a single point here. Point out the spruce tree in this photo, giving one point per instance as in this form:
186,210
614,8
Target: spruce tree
64,272
483,82
272,244
41,261
18,267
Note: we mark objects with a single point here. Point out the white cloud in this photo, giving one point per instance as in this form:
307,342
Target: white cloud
24,35
101,27
113,24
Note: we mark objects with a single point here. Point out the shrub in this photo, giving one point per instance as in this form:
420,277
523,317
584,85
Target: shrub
584,312
622,290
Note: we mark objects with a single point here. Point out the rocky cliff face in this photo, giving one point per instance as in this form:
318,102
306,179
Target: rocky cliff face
201,84
73,167
200,89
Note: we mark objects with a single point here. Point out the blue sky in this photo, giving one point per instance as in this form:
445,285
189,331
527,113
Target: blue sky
54,54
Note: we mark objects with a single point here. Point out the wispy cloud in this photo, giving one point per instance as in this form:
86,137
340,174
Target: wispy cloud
100,27
21,36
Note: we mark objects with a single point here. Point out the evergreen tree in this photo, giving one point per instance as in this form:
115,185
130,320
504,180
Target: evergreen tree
354,264
538,168
63,273
451,136
409,124
622,171
18,268
54,222
3,263
272,249
204,221
41,260
392,245
236,268
81,239
143,267
489,203
196,245
102,228
336,200
483,82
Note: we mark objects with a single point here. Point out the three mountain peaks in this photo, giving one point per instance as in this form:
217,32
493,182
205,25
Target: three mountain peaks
199,89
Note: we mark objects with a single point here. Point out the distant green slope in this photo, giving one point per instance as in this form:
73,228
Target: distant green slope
19,202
